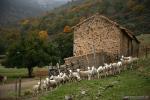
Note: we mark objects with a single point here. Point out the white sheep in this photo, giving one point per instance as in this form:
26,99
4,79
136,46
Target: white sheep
61,74
58,79
94,72
110,69
85,74
44,86
114,66
105,69
126,62
126,58
65,78
100,71
74,76
51,83
119,65
36,89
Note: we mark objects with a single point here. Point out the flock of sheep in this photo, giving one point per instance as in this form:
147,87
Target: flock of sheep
90,73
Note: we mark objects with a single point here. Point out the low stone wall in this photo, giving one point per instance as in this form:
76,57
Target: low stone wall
82,62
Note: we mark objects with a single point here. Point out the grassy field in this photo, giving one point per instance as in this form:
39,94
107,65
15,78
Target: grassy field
13,73
129,83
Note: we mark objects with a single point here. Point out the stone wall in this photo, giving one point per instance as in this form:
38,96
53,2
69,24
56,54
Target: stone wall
84,61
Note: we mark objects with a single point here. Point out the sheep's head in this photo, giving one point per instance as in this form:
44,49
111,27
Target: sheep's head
44,82
47,79
121,59
70,71
61,74
93,67
38,83
89,68
52,77
78,70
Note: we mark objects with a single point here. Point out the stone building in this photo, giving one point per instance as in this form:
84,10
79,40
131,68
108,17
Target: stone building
99,34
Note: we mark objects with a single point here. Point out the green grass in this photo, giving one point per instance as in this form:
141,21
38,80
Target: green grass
13,72
130,83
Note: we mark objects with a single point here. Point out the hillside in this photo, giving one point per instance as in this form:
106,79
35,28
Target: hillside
14,10
133,14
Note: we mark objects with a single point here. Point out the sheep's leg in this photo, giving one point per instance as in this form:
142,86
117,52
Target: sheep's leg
89,77
131,66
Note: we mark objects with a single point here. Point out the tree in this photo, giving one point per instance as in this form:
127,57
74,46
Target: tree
67,29
28,53
43,35
64,45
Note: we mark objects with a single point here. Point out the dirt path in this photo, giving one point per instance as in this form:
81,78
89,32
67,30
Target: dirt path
9,89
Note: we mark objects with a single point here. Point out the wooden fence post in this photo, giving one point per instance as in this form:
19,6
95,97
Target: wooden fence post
40,82
16,92
19,91
103,58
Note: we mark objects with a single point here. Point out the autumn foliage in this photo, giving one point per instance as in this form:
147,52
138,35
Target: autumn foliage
67,29
43,35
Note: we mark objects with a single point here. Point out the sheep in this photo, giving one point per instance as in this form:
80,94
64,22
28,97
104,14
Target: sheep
51,83
58,79
100,71
61,74
85,74
65,78
105,69
126,62
119,65
114,65
110,69
94,71
36,89
126,58
74,76
44,86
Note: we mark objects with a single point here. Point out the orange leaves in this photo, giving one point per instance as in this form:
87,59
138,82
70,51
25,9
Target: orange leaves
43,35
67,29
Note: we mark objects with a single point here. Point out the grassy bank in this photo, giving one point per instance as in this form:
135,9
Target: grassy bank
129,83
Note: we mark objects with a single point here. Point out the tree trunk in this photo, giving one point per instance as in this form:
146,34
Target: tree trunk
30,70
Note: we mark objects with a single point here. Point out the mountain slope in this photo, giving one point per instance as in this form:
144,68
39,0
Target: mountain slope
133,14
13,10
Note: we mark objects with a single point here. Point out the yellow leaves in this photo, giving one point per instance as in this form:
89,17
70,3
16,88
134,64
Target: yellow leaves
67,29
43,35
